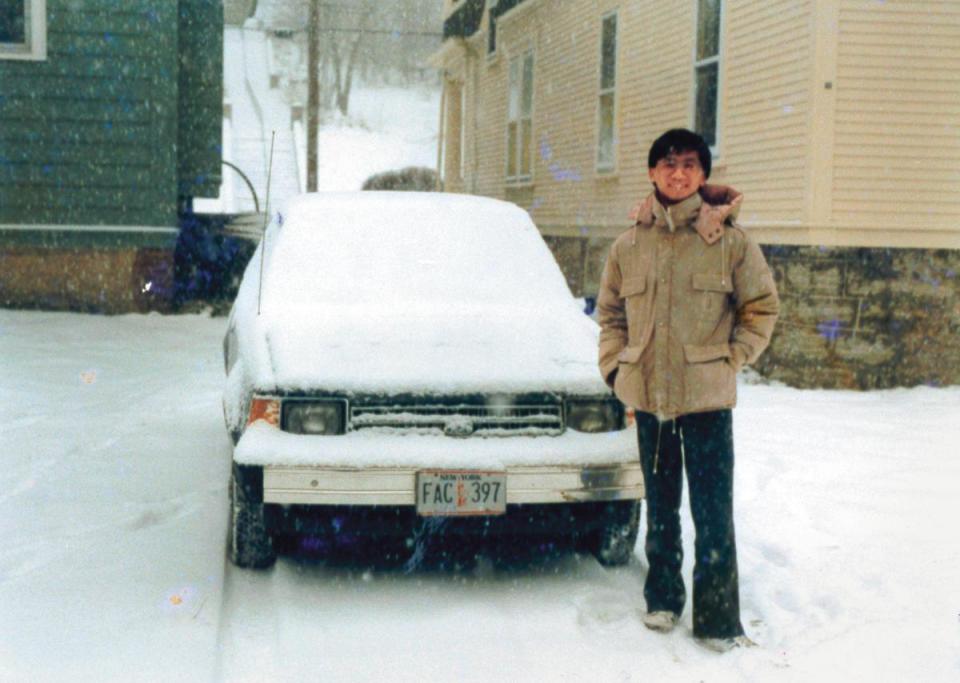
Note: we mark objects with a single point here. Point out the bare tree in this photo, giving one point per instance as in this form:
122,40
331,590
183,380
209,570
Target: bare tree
347,25
376,40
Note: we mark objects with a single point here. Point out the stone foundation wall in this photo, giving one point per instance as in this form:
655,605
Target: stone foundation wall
865,318
111,280
850,317
581,260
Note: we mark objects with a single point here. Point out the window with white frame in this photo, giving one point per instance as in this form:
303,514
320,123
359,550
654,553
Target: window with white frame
23,29
706,71
607,112
520,119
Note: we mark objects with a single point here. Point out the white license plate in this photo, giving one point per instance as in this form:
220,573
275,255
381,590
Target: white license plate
453,493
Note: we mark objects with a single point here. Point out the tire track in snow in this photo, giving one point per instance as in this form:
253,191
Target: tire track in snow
248,640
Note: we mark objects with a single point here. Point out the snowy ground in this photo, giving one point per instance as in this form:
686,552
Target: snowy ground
113,519
389,128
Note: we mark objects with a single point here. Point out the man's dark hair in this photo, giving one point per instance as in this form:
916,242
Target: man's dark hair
678,141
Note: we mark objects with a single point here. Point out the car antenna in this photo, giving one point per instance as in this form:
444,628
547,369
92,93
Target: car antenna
266,217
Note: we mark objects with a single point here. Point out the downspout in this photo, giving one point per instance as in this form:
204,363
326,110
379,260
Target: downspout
472,70
442,133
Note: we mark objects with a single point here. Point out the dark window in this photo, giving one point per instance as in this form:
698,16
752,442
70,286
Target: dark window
707,70
13,15
706,123
492,34
608,52
708,29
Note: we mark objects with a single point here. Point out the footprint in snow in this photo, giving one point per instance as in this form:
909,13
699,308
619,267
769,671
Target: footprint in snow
775,555
154,516
605,611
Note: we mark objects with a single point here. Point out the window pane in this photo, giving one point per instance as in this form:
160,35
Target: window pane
608,53
12,21
605,141
511,149
492,35
526,143
513,104
706,123
527,108
708,28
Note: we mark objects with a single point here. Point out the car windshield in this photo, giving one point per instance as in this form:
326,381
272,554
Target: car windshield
406,247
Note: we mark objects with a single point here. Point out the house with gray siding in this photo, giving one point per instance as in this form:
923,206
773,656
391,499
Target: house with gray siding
110,125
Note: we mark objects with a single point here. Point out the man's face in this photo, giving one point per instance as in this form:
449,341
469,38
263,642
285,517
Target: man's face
677,176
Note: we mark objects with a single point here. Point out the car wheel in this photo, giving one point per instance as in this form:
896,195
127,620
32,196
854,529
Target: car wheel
614,539
251,547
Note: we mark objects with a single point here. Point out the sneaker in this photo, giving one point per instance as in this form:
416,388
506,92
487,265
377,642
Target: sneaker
725,644
662,621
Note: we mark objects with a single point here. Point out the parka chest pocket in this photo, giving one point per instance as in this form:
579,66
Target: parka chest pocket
639,304
712,282
713,290
633,286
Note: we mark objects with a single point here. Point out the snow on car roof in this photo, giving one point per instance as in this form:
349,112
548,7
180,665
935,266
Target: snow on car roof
388,246
409,292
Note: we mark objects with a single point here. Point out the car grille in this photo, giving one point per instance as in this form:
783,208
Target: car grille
461,420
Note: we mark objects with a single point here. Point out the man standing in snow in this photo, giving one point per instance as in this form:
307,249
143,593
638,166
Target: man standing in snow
686,300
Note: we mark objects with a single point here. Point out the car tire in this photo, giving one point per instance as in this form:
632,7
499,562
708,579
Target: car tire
250,546
614,539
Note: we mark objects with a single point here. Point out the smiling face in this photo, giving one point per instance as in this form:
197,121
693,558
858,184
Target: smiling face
678,175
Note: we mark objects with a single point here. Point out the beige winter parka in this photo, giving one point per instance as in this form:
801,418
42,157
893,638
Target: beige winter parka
685,301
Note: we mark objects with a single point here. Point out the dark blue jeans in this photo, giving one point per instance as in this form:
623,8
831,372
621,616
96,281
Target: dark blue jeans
707,453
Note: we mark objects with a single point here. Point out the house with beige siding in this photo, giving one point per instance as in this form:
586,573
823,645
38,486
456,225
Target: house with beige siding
838,119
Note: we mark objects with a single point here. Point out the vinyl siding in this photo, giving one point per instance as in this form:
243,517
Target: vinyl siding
897,144
565,101
565,195
199,97
658,82
764,126
87,136
655,89
452,122
486,137
127,102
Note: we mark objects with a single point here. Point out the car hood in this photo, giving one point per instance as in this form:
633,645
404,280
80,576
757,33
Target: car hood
431,349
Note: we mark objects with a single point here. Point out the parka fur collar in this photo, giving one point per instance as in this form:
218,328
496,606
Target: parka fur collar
711,207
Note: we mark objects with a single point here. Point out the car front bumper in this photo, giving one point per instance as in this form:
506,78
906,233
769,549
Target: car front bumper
321,485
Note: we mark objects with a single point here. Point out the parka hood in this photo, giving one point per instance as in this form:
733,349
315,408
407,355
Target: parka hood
707,211
711,195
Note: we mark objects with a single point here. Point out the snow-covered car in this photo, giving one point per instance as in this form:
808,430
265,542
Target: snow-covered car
394,357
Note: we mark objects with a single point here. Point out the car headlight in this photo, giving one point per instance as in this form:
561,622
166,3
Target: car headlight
314,417
597,415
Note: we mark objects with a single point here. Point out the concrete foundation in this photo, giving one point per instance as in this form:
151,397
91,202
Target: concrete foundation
110,280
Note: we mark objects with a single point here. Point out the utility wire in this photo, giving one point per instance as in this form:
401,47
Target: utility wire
337,29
